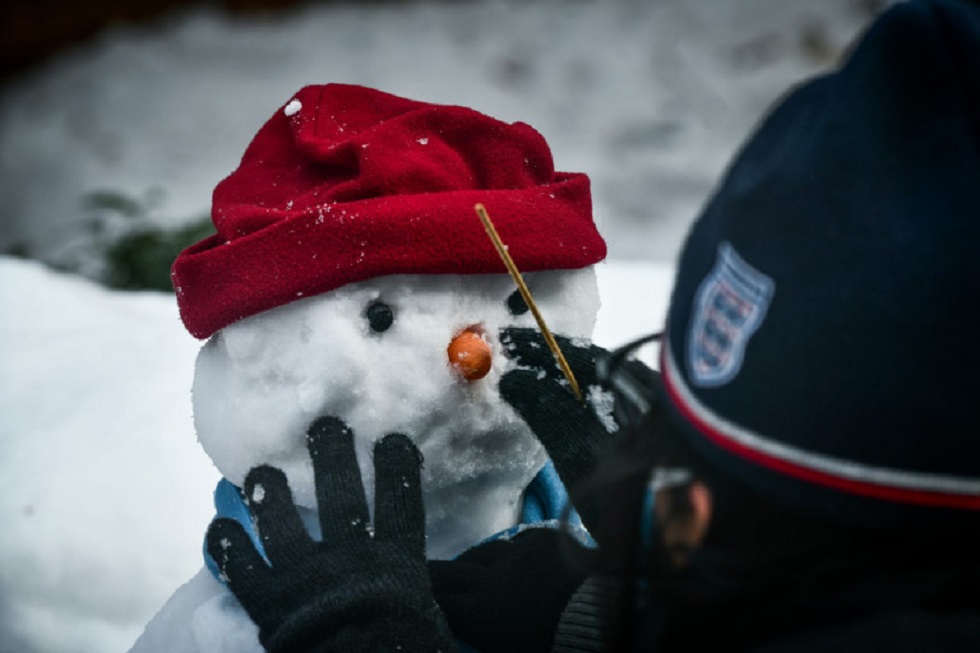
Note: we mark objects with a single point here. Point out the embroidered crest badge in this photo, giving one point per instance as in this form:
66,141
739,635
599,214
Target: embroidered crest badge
729,306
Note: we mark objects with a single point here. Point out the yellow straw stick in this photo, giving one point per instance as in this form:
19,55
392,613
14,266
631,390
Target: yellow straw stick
526,294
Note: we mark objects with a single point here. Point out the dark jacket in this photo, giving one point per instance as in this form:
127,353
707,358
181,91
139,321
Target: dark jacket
931,609
922,611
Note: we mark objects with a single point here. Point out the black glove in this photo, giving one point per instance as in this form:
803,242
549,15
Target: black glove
507,595
570,430
355,590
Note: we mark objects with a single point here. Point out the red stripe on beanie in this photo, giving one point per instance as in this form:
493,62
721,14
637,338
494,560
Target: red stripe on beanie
806,474
347,183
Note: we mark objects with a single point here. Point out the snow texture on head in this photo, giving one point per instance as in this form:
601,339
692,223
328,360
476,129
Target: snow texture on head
261,381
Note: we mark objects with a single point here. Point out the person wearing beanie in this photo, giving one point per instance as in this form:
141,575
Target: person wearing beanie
803,471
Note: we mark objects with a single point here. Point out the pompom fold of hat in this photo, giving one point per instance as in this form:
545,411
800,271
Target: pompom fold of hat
346,183
824,329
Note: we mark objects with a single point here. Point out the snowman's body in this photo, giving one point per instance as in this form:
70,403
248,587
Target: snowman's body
261,381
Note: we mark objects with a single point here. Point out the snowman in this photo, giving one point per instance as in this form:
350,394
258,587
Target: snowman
350,277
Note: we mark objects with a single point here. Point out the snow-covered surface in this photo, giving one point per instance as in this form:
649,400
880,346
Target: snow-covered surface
104,491
200,617
649,98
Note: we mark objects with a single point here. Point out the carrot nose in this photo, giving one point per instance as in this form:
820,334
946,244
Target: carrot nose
470,354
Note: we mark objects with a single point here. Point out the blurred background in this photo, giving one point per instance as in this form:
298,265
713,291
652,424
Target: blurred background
117,119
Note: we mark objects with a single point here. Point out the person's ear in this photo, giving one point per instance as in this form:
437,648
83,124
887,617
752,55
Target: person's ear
684,515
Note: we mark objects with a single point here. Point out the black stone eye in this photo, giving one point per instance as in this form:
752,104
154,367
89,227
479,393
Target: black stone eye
516,303
380,316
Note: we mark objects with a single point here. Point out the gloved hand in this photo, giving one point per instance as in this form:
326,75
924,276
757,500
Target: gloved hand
507,595
569,429
355,590
573,432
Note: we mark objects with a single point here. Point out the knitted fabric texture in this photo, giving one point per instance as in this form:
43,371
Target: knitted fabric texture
823,329
585,623
346,183
356,590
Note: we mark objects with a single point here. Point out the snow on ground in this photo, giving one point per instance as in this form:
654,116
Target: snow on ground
104,490
650,98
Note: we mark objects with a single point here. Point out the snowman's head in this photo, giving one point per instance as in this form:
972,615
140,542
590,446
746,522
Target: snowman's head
374,354
349,258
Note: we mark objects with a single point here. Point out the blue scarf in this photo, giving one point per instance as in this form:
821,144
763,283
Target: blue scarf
544,500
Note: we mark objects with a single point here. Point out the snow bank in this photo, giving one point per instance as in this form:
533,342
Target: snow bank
104,492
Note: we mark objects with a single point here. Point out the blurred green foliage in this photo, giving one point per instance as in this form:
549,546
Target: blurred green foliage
141,259
123,248
133,252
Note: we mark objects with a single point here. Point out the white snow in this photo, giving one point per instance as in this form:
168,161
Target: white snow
201,616
292,108
104,492
602,402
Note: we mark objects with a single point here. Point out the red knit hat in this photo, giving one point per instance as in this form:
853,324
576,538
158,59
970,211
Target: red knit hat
346,183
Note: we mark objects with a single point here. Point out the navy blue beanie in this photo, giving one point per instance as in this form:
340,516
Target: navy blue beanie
824,329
